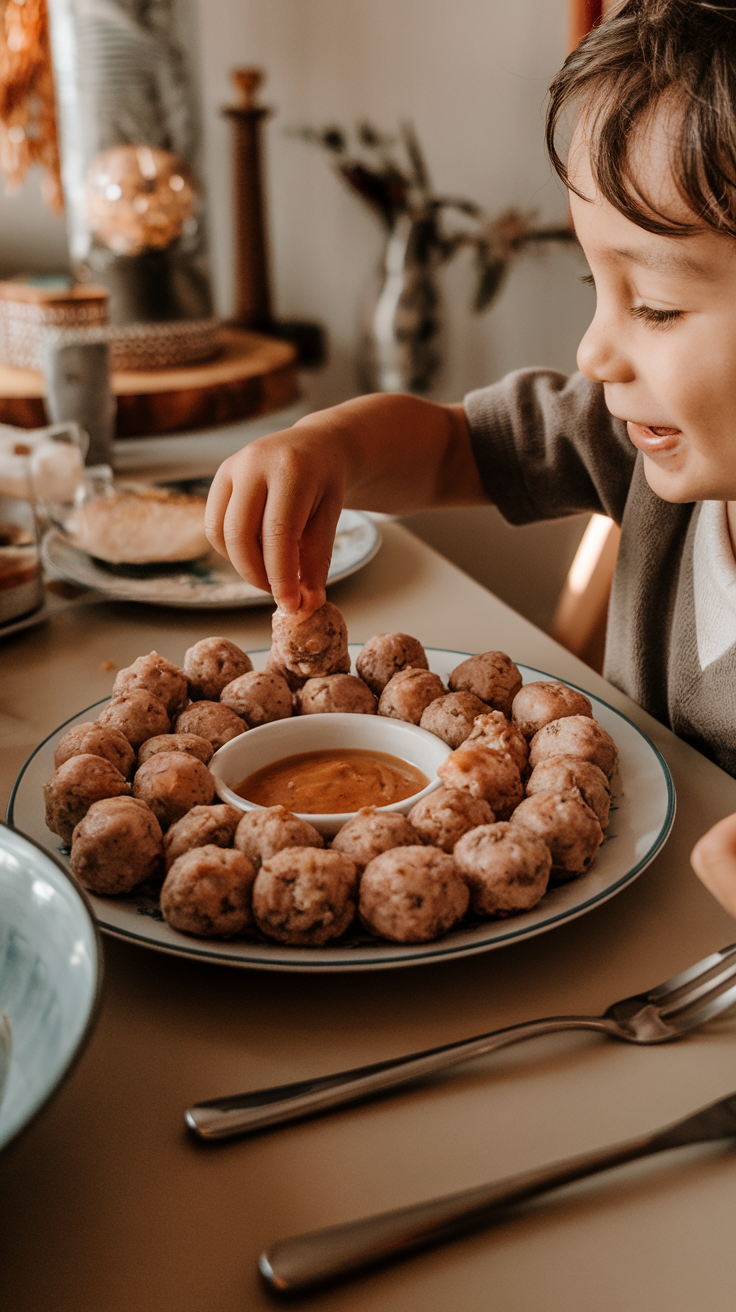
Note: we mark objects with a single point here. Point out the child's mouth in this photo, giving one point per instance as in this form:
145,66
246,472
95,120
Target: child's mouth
653,439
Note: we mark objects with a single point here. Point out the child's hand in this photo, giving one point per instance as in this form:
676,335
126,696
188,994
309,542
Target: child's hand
273,509
714,861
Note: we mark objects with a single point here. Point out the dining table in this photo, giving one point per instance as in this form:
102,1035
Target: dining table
108,1203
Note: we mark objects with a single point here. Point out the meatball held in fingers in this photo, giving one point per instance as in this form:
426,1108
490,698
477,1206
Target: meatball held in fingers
305,897
312,646
412,895
207,892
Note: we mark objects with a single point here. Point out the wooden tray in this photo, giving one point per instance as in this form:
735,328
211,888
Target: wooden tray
252,375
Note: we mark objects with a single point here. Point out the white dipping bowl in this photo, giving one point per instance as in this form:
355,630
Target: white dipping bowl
315,733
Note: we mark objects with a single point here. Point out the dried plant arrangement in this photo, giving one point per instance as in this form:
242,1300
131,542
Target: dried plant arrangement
390,174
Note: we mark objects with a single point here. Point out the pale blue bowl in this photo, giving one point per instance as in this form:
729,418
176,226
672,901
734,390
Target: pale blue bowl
50,975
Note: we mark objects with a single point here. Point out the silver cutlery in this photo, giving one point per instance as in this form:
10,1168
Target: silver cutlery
298,1264
664,1013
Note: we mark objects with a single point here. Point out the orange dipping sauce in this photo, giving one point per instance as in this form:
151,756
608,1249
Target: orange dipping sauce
333,781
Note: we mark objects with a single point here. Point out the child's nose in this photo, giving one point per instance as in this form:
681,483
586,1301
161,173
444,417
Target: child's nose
601,356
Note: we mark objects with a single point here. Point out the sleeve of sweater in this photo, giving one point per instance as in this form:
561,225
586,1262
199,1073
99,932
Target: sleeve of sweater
546,446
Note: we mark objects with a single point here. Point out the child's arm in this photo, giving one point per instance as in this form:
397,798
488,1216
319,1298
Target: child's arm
274,506
714,862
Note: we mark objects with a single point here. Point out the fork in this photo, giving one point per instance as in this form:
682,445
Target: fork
664,1013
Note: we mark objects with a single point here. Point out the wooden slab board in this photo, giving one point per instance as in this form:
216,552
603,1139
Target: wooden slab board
252,375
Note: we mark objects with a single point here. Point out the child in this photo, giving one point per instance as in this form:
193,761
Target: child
646,433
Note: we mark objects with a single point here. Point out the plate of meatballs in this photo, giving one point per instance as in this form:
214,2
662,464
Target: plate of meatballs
540,802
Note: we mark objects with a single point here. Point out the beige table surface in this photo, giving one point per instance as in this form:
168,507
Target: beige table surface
108,1206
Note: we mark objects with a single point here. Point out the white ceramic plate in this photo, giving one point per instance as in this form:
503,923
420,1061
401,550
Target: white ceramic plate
641,818
208,582
49,975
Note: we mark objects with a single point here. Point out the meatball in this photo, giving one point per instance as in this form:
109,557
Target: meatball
412,894
258,697
305,897
153,673
568,826
313,646
138,715
211,664
210,720
73,788
336,692
177,742
97,741
559,773
536,704
442,817
116,845
203,825
408,694
371,832
577,736
385,654
451,717
484,773
492,729
492,676
263,833
505,866
172,783
208,892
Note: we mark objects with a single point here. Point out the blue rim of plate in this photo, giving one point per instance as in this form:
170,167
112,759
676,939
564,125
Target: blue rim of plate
93,1014
419,954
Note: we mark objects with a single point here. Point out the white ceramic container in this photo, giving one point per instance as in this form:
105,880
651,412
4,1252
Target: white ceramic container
313,733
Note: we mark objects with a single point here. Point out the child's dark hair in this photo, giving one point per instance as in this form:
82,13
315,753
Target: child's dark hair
645,52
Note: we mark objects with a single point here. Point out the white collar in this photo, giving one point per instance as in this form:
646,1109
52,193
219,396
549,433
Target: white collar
714,584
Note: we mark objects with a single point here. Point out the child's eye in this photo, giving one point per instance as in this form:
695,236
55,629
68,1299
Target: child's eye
655,318
588,279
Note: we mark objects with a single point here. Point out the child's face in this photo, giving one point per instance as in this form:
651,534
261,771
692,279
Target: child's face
663,339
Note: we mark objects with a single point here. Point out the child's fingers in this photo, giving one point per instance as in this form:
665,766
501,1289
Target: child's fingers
315,552
714,861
